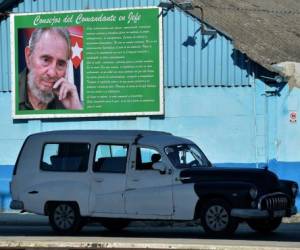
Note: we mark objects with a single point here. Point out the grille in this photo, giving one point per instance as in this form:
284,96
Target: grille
275,201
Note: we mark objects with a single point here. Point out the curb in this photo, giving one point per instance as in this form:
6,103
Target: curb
134,245
294,219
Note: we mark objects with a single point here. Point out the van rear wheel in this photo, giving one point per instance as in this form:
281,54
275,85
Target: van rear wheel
65,218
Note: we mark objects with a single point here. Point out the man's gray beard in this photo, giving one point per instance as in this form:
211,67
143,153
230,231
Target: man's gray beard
44,96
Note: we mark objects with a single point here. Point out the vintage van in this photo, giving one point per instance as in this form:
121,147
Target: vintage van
115,177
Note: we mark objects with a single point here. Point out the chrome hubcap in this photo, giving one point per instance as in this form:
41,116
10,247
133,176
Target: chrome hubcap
64,216
217,218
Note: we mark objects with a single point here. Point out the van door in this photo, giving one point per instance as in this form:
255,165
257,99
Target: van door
148,192
109,179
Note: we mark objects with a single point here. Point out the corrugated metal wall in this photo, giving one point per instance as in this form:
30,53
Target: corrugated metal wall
190,59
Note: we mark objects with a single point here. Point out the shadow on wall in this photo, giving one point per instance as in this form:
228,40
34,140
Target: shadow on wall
242,61
192,40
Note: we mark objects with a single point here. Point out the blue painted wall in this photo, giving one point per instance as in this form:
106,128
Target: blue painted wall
212,96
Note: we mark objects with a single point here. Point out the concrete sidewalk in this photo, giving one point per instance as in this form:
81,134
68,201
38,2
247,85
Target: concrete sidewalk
28,219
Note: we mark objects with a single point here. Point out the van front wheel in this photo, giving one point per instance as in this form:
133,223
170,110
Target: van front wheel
65,218
216,219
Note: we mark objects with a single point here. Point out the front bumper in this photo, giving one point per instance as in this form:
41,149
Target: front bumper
19,205
258,214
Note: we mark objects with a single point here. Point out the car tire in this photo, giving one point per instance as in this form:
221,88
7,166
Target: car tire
115,224
265,225
65,218
216,219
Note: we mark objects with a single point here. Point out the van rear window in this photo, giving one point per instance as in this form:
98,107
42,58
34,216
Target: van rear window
65,157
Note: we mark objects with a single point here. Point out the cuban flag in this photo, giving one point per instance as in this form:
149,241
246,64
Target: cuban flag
75,65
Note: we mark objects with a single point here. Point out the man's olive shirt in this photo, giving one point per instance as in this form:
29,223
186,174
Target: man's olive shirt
24,103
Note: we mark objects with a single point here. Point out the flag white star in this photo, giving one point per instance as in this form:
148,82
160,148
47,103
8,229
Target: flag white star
76,50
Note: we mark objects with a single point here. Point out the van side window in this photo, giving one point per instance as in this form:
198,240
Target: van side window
65,157
110,158
146,157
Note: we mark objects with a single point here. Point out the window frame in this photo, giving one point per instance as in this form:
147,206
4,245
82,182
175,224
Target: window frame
150,148
187,144
64,171
110,144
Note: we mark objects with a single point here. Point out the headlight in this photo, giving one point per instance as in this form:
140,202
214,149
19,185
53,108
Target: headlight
253,192
295,189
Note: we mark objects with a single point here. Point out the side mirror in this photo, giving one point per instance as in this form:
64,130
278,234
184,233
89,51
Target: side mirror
160,166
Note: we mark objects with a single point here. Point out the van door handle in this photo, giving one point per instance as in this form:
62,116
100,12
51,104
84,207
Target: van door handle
182,178
99,180
135,180
33,192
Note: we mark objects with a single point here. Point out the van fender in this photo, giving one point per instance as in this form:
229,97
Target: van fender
235,193
36,196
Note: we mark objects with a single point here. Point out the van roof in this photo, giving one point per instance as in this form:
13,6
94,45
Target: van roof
144,137
111,133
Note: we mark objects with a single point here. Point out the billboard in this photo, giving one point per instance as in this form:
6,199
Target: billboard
87,63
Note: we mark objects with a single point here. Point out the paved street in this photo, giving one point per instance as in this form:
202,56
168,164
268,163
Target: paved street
39,235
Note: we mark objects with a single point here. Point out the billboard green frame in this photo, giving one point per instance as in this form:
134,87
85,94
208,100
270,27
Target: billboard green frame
120,62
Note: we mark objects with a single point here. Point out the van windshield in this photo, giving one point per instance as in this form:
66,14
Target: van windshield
187,156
